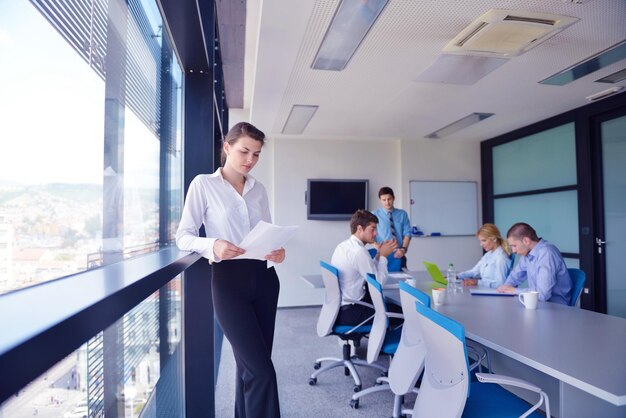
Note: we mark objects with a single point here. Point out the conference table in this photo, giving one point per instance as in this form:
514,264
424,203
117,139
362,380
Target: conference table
576,356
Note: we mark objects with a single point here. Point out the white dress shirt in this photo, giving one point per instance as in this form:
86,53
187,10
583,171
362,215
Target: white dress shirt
211,200
353,261
492,269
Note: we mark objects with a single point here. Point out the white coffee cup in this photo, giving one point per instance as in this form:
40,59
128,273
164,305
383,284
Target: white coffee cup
411,282
529,299
439,295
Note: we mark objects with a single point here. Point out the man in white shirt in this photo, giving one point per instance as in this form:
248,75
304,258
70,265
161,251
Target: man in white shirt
354,261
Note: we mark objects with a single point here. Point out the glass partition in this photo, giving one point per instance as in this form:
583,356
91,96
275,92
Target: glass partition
540,161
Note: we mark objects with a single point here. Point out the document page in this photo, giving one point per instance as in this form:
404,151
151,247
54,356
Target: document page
265,238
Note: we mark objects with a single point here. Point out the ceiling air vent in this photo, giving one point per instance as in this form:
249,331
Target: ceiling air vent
507,33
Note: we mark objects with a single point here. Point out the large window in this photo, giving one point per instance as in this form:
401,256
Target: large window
535,181
91,120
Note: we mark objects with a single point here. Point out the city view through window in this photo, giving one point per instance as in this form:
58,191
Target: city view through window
65,203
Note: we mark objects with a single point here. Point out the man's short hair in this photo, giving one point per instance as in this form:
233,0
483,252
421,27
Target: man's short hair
521,230
385,190
362,217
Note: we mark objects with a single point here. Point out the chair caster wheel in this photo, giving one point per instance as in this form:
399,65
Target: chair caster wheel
356,388
354,404
317,365
312,381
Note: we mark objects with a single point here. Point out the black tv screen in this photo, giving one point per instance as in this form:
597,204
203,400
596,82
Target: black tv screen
334,200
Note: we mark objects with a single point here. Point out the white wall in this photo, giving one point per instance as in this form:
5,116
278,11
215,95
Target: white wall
287,163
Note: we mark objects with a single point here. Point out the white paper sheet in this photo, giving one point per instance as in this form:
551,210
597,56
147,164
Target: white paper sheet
265,238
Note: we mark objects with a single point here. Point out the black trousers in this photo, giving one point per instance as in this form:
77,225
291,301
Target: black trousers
355,314
245,294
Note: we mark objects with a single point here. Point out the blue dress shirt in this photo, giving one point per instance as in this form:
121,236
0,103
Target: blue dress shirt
400,222
546,273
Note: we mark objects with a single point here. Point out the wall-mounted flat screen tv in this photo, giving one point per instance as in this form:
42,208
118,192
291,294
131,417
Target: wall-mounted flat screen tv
335,200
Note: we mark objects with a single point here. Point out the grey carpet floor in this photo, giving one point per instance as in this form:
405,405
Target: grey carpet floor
296,346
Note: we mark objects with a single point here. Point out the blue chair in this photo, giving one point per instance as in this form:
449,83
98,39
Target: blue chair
393,264
578,282
326,326
446,390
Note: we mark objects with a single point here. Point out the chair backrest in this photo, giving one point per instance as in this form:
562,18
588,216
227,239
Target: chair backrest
381,322
578,282
332,300
445,385
408,361
393,264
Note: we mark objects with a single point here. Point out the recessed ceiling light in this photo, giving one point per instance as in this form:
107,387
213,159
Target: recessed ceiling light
616,77
459,69
459,124
298,119
588,66
352,21
604,93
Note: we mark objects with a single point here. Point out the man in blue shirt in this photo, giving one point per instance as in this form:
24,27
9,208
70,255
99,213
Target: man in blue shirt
393,224
540,263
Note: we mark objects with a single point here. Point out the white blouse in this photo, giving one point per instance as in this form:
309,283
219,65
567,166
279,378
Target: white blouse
492,269
211,200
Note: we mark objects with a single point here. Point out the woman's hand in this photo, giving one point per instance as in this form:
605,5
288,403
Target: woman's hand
400,252
470,282
224,250
277,256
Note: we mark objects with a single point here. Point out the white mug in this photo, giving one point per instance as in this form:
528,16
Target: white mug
529,299
411,282
439,295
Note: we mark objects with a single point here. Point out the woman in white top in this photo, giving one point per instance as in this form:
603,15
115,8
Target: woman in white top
494,266
229,203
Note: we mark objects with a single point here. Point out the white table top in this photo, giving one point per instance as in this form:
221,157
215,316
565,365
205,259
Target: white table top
582,348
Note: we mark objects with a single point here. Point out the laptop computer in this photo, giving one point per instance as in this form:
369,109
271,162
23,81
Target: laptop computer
491,292
435,273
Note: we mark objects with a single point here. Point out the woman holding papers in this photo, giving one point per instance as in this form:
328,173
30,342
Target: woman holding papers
229,203
494,266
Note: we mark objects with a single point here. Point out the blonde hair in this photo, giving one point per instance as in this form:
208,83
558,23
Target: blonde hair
490,231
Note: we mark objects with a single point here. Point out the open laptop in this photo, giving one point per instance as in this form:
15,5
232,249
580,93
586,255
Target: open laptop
435,273
491,292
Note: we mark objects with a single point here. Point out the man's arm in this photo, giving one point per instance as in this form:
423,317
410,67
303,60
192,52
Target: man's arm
516,277
544,282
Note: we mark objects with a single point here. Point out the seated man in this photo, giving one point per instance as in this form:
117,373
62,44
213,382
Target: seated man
540,262
353,261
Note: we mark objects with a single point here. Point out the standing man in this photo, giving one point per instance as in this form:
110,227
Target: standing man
540,263
393,224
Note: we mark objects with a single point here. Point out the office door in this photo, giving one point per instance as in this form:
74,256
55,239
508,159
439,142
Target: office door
610,210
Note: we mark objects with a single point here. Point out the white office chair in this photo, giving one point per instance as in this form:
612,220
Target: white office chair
382,339
408,362
445,388
326,326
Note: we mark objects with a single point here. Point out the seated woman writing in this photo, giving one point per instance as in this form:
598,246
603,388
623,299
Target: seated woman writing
494,266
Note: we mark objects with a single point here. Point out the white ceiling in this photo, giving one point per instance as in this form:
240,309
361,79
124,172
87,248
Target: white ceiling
376,96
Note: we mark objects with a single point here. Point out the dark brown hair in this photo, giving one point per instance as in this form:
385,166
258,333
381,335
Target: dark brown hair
521,230
362,217
237,131
385,190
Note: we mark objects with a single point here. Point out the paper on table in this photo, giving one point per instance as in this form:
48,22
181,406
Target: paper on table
265,238
400,276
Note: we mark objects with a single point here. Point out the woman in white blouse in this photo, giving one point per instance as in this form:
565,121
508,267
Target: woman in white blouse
229,203
494,266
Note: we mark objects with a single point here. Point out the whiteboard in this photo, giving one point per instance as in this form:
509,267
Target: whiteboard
445,207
